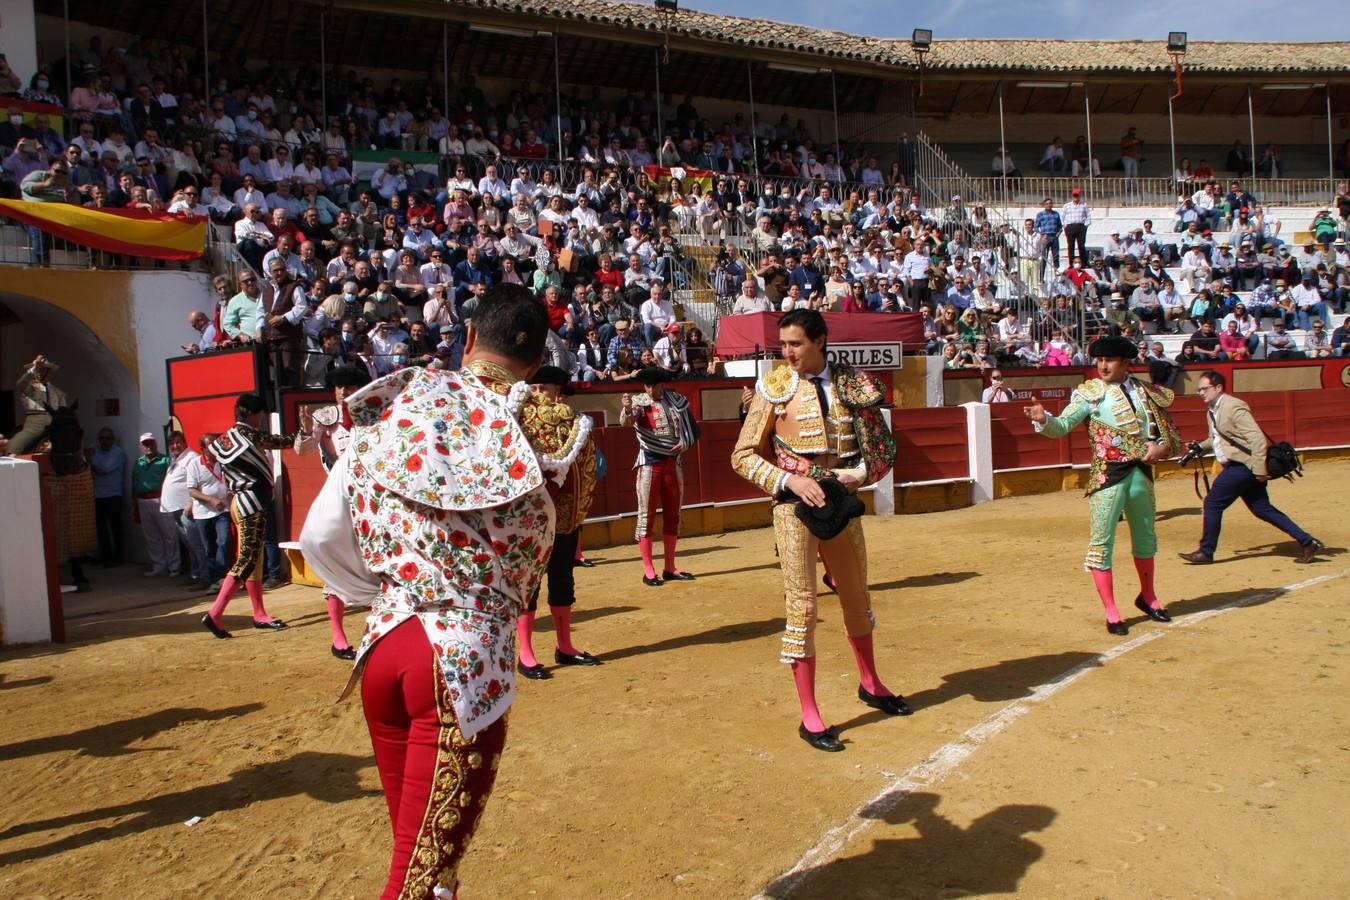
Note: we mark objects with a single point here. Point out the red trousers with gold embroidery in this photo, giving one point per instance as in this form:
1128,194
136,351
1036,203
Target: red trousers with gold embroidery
435,782
660,483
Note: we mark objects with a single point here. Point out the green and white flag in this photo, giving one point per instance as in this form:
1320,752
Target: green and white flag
366,163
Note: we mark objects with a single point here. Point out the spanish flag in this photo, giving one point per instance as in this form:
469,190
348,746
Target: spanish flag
134,232
663,178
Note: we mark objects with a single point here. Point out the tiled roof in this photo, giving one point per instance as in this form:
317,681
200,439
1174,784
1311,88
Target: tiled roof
959,54
762,33
1136,56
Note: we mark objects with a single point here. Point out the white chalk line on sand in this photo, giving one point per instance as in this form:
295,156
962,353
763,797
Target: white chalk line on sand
945,759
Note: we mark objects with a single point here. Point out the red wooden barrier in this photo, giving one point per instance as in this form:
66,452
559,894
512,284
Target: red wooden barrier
1014,440
930,444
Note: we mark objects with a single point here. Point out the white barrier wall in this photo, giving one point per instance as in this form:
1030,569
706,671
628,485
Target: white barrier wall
24,617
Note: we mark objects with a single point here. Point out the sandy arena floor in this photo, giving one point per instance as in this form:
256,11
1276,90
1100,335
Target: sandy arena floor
1207,758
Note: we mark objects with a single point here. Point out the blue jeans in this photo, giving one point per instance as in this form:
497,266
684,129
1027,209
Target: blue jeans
196,552
215,537
1305,316
1235,482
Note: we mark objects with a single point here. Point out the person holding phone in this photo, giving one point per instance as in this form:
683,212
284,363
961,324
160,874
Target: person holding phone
997,392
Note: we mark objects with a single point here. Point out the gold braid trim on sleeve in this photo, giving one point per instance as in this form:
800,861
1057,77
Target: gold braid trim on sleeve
752,458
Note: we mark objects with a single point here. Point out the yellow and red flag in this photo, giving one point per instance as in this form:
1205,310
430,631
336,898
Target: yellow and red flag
686,178
134,232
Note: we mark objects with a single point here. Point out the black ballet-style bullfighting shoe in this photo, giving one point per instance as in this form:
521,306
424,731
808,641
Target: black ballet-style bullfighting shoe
829,583
654,581
894,705
215,629
676,576
274,625
583,562
345,653
535,672
1118,628
580,658
1157,615
825,740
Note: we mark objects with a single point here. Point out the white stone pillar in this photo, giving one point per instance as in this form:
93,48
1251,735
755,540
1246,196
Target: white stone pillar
24,614
980,452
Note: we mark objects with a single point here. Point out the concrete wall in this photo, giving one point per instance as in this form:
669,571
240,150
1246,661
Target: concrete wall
110,332
18,37
24,616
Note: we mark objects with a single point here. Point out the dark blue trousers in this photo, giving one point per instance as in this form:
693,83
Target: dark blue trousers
1235,482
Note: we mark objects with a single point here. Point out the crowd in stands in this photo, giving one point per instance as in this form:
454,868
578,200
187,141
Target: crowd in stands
387,268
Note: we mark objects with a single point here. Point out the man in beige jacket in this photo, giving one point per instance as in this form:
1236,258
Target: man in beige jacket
1239,445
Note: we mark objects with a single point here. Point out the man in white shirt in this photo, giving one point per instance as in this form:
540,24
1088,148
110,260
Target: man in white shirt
389,180
210,503
585,217
175,502
1195,268
915,272
657,314
639,244
751,300
250,193
1308,300
493,189
1203,201
436,272
420,240
385,337
1010,332
279,167
252,237
670,352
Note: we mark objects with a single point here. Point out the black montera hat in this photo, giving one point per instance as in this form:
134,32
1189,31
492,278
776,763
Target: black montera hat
1113,346
827,521
652,375
553,375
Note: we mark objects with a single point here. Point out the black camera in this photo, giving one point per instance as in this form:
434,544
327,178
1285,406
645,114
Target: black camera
1193,451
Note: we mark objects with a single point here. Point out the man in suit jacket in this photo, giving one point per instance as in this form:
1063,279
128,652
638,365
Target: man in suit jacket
1239,445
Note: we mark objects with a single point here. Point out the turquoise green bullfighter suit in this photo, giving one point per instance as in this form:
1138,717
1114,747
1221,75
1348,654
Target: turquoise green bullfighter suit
1122,420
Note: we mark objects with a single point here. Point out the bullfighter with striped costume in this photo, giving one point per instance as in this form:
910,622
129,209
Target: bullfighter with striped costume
248,474
666,430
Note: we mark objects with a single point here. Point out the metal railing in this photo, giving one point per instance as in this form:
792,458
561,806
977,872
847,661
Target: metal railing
1119,191
20,245
939,182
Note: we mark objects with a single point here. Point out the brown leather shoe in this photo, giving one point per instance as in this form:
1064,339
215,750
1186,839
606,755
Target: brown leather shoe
1197,558
1309,552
